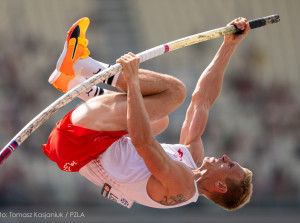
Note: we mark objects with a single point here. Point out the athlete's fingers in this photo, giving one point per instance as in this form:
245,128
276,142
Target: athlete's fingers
131,57
240,23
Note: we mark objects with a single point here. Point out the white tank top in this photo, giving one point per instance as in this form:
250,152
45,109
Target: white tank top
124,176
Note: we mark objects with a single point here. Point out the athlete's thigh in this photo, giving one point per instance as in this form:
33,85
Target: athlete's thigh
102,113
109,112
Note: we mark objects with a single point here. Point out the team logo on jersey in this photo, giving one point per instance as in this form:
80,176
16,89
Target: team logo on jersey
178,155
67,166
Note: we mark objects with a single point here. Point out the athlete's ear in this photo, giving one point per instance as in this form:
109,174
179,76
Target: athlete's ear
220,187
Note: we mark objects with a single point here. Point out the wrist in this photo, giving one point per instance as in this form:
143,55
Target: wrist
133,83
230,44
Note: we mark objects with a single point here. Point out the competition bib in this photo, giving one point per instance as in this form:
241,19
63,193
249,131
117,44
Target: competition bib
109,192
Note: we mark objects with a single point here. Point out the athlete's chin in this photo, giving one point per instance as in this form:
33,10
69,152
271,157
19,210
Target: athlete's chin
209,163
209,159
206,159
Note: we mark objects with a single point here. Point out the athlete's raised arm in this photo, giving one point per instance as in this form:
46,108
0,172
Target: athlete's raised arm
207,91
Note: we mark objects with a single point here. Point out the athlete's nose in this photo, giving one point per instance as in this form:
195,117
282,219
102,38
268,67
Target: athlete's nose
226,159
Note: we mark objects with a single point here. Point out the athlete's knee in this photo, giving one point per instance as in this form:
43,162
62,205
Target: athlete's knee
178,90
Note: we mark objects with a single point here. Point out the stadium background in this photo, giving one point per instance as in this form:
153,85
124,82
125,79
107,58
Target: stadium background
255,121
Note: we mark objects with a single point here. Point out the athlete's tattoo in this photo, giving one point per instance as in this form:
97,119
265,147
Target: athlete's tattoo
173,200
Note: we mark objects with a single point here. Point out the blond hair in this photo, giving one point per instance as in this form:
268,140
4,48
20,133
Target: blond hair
238,193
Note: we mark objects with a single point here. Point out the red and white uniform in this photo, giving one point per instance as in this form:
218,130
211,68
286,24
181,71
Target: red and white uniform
123,175
72,147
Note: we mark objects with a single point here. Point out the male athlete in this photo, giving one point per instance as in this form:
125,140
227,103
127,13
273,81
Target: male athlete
110,138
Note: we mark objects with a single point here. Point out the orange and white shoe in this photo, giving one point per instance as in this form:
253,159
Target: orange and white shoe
74,64
75,48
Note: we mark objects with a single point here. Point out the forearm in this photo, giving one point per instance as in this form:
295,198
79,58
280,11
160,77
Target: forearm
210,83
139,128
138,123
137,117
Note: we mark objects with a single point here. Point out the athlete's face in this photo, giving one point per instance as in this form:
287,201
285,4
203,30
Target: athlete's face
222,168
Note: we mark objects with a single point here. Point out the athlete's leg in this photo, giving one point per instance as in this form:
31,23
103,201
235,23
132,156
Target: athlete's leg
162,93
74,66
108,112
152,83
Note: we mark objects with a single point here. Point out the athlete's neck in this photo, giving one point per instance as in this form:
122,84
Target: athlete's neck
199,176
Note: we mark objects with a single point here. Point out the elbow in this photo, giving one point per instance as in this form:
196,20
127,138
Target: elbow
180,92
202,99
177,92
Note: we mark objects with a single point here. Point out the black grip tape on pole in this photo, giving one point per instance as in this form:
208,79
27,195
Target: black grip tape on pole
257,23
264,21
